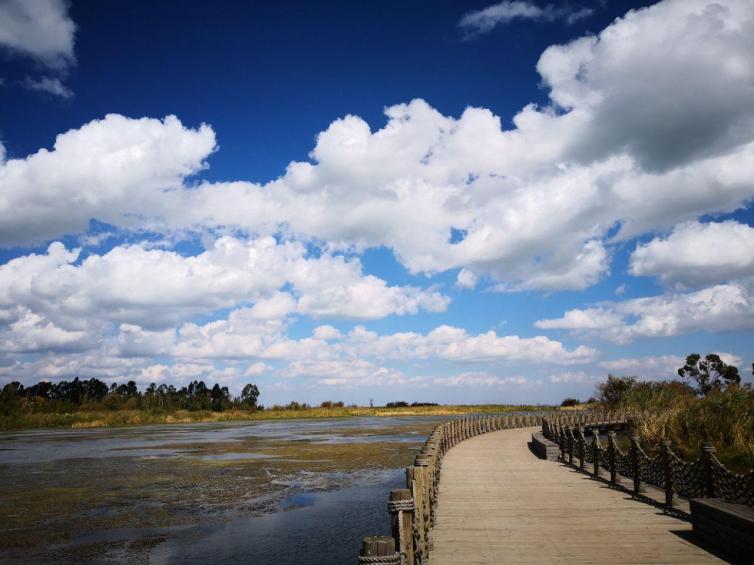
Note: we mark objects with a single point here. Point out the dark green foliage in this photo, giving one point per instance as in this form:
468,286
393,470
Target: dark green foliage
94,394
569,402
710,374
612,391
331,404
249,395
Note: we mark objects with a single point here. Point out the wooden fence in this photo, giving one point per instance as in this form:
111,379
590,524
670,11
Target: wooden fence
704,477
412,510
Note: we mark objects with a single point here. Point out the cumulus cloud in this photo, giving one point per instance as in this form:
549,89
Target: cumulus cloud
40,29
115,170
697,254
158,288
502,13
535,205
720,308
456,344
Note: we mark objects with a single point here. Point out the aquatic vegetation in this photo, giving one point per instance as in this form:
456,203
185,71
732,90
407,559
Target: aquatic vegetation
133,495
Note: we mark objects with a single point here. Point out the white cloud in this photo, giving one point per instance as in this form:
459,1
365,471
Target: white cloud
645,367
696,254
656,367
158,288
455,344
40,29
50,85
115,170
573,377
535,203
720,308
479,380
502,13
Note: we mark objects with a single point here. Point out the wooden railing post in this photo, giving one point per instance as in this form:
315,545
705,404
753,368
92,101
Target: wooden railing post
401,507
569,436
582,449
413,481
596,452
379,546
636,463
612,457
709,479
667,471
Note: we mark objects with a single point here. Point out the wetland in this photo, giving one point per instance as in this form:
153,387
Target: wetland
288,491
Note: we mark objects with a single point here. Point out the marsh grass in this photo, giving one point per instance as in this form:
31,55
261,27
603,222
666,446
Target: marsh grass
131,417
725,419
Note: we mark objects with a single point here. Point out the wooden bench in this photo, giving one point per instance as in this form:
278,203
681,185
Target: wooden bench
544,448
725,525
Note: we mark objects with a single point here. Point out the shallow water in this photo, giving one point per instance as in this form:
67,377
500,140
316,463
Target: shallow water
302,491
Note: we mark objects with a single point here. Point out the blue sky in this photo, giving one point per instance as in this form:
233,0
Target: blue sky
443,201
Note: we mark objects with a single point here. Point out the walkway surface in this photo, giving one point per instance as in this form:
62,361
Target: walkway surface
499,503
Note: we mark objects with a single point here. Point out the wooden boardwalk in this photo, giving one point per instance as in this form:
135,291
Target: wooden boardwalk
499,503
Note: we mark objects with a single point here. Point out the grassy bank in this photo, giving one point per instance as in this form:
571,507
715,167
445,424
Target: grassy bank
130,417
675,411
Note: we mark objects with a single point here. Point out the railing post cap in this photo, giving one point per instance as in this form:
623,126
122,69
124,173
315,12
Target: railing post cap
421,461
377,546
400,494
708,447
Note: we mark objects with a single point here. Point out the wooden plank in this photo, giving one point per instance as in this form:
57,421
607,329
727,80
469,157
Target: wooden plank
499,503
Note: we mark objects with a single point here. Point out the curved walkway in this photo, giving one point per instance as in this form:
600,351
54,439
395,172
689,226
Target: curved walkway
499,503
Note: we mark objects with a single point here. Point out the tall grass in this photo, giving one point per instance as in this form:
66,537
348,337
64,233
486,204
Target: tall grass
128,417
725,419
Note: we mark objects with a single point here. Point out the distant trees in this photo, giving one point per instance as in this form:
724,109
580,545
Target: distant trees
94,394
331,404
569,402
710,374
402,404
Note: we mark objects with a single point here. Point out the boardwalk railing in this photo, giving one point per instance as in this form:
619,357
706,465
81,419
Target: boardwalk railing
705,477
412,510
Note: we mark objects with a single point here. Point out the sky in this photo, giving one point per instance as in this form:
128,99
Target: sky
456,202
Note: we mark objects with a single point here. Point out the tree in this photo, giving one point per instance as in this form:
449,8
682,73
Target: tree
249,395
569,402
218,396
710,374
614,389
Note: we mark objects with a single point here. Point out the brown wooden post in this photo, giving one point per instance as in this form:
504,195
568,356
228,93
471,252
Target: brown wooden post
667,471
612,457
401,507
582,449
413,480
569,437
596,452
708,451
636,463
379,546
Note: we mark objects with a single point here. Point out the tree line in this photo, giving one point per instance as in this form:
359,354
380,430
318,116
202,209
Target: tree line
93,394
